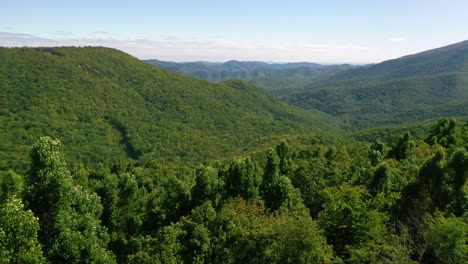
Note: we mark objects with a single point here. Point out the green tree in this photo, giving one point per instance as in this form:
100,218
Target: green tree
384,180
18,234
285,160
275,189
299,240
208,186
242,178
68,215
429,191
12,185
443,133
401,147
445,239
376,152
459,179
348,219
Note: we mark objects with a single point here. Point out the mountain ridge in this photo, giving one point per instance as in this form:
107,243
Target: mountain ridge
380,94
92,98
273,77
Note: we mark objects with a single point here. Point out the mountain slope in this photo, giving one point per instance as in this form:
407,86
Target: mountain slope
99,100
407,89
274,77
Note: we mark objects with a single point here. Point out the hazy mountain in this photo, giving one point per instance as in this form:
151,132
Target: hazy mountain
100,100
275,77
430,84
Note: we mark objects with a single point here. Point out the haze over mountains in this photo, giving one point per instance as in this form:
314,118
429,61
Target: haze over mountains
274,77
416,87
119,102
168,168
430,84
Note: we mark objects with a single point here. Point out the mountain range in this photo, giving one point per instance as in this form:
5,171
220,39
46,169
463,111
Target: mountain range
426,85
417,87
100,100
274,77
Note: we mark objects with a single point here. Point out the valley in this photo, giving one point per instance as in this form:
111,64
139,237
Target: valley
105,158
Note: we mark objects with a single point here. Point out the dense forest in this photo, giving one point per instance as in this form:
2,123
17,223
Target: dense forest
105,104
107,159
314,202
431,84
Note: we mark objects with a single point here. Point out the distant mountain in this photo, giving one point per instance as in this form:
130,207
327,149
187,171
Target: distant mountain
430,84
102,101
274,77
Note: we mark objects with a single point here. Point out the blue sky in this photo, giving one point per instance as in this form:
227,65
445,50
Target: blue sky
287,30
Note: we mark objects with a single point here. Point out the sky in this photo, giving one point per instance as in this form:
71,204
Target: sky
327,31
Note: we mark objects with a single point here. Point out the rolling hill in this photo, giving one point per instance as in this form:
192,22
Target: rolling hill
277,78
100,100
412,88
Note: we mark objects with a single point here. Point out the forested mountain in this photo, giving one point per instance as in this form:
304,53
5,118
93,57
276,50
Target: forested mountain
274,77
99,100
412,88
107,159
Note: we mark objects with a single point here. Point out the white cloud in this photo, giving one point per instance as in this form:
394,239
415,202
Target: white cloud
178,49
396,39
62,33
101,33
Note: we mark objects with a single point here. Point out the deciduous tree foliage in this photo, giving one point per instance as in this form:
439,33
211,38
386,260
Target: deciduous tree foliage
68,215
18,234
304,201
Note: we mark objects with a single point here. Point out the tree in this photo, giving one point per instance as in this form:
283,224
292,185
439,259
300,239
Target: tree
275,188
285,161
48,179
242,178
208,186
401,147
443,133
429,191
376,152
18,234
68,215
348,219
459,179
12,185
384,180
446,239
299,240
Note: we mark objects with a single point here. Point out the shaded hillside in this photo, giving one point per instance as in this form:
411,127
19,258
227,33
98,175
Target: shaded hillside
412,88
99,100
277,78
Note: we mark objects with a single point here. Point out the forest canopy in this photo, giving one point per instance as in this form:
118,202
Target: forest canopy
399,202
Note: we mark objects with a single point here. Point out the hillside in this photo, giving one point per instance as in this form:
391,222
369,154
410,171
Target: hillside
274,77
412,88
100,100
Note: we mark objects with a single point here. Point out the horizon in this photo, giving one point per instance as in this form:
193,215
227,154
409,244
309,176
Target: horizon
336,32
